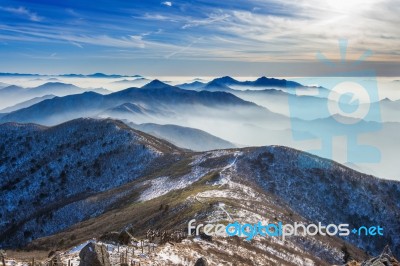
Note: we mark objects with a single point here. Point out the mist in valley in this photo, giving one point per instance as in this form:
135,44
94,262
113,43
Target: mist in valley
257,116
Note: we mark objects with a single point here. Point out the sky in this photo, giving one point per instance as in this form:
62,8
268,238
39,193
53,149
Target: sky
204,37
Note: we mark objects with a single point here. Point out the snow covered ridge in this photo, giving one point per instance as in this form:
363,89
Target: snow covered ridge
48,173
64,185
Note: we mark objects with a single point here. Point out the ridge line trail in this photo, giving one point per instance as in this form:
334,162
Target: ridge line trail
225,179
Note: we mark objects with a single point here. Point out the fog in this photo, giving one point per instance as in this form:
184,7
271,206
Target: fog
281,118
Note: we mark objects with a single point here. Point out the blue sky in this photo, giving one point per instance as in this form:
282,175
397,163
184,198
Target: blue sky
205,37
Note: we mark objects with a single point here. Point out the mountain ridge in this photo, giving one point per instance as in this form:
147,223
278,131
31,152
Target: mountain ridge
267,171
153,95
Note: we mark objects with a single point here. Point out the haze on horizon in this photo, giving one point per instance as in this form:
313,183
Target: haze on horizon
161,38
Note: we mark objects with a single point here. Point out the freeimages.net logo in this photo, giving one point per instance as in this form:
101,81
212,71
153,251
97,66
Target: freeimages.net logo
347,109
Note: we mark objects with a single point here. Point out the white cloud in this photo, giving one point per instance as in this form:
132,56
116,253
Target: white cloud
154,17
167,3
294,31
182,49
76,44
23,12
211,19
72,12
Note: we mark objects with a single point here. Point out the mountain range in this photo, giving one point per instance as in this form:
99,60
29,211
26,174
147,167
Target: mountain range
27,103
228,116
12,95
94,75
156,96
184,137
228,83
66,184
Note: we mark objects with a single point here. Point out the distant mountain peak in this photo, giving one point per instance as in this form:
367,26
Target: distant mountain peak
156,84
226,80
102,75
195,85
55,84
264,78
387,100
217,85
263,81
12,87
273,82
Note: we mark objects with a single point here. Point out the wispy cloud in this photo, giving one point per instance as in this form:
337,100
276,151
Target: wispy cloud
183,49
77,44
22,11
167,3
254,31
212,18
72,12
154,17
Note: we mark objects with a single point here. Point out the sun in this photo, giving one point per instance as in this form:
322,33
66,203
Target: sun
347,5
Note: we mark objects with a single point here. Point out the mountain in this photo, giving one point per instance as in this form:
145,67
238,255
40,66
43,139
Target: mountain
226,80
217,85
231,118
52,111
272,82
11,90
166,100
56,88
26,103
128,110
64,185
90,144
96,75
129,82
18,75
195,85
101,75
3,85
13,95
157,84
72,75
279,101
227,83
184,137
230,82
387,110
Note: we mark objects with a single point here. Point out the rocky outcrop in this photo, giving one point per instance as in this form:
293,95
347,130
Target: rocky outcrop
201,262
386,258
94,255
123,238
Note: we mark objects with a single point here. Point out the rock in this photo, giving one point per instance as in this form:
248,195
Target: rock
51,254
56,258
110,237
94,255
201,262
3,255
123,238
353,263
385,259
205,237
